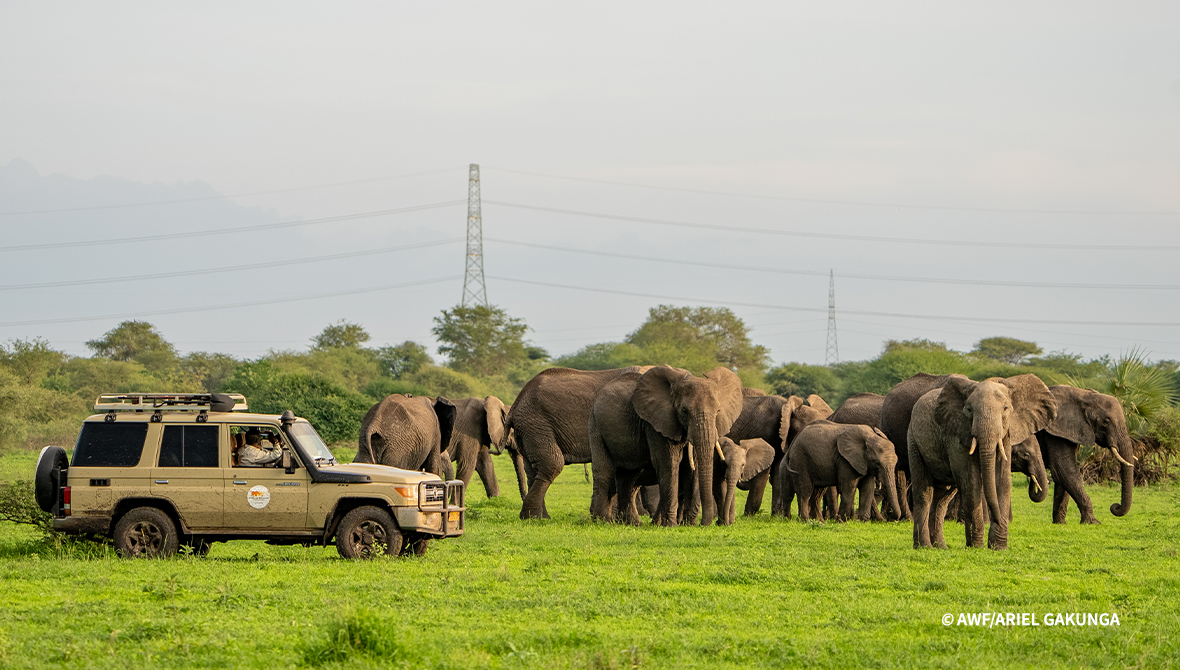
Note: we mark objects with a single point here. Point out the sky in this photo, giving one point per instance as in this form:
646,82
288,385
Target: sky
962,172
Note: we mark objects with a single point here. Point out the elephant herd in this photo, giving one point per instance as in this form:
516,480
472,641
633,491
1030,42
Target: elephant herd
669,444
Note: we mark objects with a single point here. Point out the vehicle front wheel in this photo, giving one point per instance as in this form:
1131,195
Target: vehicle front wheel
146,532
415,546
366,532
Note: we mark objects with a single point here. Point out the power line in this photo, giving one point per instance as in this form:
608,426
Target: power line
836,236
225,197
820,273
210,308
235,268
927,317
853,203
230,231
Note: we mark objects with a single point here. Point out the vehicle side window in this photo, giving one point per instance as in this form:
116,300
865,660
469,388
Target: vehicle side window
112,445
256,446
189,447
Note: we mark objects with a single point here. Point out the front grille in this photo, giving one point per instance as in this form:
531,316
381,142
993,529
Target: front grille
434,495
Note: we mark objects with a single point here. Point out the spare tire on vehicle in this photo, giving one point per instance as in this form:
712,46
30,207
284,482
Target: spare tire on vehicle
50,465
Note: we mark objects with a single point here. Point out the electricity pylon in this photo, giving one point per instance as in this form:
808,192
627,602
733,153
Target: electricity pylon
475,292
832,352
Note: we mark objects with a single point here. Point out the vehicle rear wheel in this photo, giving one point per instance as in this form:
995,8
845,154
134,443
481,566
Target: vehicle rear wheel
146,532
366,532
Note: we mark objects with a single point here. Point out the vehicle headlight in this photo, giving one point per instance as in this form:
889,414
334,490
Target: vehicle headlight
410,493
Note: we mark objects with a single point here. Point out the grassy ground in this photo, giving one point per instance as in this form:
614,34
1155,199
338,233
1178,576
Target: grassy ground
572,593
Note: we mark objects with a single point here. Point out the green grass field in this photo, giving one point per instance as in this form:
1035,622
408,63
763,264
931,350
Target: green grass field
573,593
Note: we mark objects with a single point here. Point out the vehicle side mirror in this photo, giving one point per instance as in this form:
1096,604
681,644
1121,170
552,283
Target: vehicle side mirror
288,462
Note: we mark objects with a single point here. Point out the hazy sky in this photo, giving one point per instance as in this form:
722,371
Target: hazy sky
1036,140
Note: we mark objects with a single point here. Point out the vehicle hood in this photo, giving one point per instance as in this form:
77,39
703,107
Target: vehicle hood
383,473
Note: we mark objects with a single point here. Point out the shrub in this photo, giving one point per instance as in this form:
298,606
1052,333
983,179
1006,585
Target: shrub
335,411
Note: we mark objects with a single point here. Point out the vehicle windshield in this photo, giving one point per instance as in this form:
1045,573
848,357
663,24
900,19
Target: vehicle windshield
312,443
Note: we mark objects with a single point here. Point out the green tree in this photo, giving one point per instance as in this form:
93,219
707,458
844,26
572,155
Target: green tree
1006,349
211,369
31,360
403,359
339,335
711,331
137,341
481,340
802,380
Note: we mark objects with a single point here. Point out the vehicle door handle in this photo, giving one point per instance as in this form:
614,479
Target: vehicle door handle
239,481
161,481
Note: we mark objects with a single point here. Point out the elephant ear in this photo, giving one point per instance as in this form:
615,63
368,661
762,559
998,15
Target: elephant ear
821,407
652,400
494,413
445,410
759,457
729,396
948,409
784,427
1075,415
752,393
851,444
1033,406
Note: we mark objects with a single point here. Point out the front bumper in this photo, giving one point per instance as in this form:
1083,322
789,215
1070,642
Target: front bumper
435,515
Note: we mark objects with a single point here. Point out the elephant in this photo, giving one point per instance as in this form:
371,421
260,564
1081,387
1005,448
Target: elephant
863,409
479,424
407,432
548,423
1085,417
846,456
1026,459
776,420
735,465
961,437
895,423
643,425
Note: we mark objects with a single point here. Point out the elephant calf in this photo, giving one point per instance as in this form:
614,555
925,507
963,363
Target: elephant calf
847,456
736,465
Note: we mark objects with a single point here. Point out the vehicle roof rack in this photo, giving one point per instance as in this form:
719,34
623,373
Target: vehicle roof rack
170,402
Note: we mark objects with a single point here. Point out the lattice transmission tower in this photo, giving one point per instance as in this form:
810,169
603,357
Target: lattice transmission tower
475,292
831,352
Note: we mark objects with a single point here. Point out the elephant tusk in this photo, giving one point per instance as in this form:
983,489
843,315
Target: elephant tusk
691,464
1120,457
720,453
1036,483
972,449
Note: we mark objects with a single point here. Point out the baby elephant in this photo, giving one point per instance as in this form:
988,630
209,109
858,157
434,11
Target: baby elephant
734,465
847,456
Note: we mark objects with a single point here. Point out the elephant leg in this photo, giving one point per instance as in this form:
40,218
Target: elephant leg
1063,463
804,491
540,449
866,508
972,505
466,457
923,499
605,476
942,497
876,501
667,465
785,481
486,469
625,510
754,497
778,472
651,500
847,492
903,493
831,504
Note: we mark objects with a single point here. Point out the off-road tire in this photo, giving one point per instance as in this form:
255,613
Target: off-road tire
146,532
416,545
50,464
366,532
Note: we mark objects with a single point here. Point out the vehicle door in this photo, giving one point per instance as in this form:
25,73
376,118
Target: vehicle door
188,473
264,497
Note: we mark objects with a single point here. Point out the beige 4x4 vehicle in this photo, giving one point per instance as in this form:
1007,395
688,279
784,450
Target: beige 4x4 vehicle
156,471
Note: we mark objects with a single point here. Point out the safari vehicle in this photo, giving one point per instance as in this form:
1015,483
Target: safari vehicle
154,471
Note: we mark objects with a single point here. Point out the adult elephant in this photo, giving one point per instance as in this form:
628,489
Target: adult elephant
479,424
548,423
1085,417
896,410
407,432
1027,460
777,420
961,436
644,424
844,456
860,408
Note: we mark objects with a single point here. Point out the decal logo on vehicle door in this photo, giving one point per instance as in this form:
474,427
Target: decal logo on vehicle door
258,497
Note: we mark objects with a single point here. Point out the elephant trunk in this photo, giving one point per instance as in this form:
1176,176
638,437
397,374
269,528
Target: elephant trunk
1127,452
889,489
987,472
1038,482
702,437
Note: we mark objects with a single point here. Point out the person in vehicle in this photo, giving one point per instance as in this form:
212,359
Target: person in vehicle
257,452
